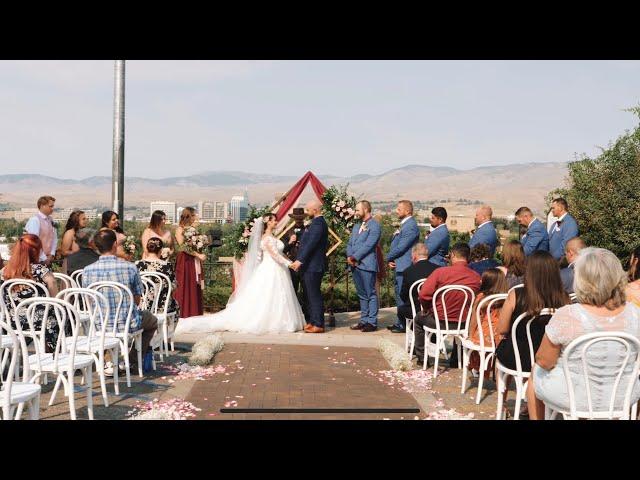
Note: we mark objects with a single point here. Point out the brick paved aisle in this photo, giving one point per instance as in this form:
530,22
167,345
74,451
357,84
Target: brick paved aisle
294,376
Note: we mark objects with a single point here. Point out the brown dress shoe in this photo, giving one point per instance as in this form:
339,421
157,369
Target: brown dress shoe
315,329
369,328
358,326
307,326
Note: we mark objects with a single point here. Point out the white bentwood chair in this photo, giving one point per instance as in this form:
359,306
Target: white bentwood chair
95,342
454,329
15,393
65,360
128,336
410,334
621,373
166,319
520,376
486,352
64,281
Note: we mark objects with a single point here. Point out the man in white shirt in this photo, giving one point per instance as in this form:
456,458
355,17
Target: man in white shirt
42,226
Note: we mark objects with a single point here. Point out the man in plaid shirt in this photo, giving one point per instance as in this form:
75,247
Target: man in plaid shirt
109,268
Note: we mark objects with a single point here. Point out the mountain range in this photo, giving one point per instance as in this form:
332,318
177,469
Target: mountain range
505,187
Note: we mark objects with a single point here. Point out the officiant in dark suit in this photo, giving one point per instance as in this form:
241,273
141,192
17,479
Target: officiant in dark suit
291,241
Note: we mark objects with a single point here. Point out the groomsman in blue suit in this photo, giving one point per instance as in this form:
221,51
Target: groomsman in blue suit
485,231
536,237
361,257
437,241
399,256
564,229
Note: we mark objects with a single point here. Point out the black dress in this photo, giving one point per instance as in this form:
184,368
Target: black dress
505,352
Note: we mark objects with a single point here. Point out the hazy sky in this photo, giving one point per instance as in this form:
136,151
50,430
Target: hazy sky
286,117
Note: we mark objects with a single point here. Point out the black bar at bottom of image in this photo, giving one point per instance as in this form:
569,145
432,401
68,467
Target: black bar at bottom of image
319,410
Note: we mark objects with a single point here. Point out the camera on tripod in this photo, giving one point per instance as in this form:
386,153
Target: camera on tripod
215,238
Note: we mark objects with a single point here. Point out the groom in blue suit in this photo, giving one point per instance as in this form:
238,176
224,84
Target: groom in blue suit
311,263
485,231
536,237
399,256
563,230
437,241
361,257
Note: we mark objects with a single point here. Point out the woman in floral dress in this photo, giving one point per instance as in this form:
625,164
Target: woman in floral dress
24,264
153,263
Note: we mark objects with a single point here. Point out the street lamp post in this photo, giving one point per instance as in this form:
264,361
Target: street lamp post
117,174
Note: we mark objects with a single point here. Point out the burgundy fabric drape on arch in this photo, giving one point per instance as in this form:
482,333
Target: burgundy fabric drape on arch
295,192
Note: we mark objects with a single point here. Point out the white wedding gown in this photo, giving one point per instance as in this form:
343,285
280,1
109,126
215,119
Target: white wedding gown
267,304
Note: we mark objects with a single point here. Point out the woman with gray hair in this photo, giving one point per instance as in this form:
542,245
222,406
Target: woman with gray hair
601,306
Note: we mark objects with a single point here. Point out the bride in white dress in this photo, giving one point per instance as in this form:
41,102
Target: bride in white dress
264,300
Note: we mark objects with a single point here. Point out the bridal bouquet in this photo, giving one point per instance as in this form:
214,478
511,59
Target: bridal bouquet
338,207
129,245
194,241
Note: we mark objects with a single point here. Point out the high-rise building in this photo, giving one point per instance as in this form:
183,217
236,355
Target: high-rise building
239,207
213,212
169,208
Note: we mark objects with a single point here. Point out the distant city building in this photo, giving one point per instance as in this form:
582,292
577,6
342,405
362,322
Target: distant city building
25,214
213,212
240,207
460,223
169,208
62,214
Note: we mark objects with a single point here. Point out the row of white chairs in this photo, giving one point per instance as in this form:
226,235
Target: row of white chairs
75,307
458,329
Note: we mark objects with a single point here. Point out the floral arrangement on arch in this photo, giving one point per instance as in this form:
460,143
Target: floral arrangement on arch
242,232
339,208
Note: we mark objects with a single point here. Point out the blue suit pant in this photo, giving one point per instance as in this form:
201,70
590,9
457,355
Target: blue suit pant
365,282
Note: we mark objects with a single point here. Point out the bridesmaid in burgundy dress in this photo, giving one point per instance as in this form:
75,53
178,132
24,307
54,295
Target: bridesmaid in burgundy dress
189,271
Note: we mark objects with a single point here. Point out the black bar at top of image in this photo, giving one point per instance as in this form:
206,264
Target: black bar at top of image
319,410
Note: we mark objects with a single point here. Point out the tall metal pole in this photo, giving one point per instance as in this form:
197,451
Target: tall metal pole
117,173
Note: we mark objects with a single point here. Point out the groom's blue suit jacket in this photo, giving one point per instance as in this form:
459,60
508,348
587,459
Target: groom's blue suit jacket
313,246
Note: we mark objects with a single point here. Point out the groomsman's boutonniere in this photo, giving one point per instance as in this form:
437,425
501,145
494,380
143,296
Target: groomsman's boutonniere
363,227
307,223
397,231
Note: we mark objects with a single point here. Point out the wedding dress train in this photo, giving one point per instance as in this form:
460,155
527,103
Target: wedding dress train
267,302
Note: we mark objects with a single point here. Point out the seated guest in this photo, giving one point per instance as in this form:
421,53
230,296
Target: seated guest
153,263
86,254
571,253
536,237
458,273
542,289
485,231
420,269
480,260
493,282
109,268
513,262
437,241
24,263
602,307
633,287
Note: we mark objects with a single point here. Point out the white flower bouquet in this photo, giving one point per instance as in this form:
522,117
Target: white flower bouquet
129,245
194,241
